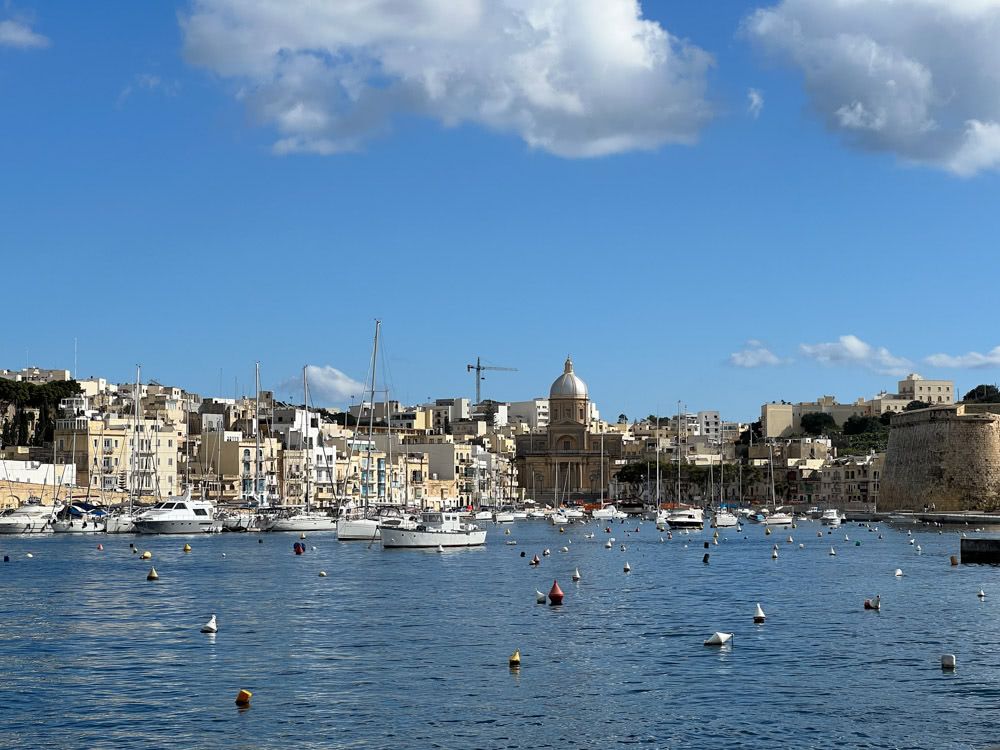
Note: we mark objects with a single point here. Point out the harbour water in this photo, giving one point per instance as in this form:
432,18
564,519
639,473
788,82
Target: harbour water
409,648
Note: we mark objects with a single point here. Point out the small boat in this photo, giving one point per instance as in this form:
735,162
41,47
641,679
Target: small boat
779,519
303,520
484,515
831,517
608,513
559,519
80,518
686,518
504,515
724,519
444,529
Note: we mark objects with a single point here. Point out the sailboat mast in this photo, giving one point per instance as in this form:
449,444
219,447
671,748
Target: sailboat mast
371,418
602,469
305,432
135,439
256,434
657,460
678,452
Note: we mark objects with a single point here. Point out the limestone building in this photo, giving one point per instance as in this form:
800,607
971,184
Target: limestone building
564,460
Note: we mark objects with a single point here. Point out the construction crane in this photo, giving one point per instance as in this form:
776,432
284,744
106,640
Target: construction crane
480,369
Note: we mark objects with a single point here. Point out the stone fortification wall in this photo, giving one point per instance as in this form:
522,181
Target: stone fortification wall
946,456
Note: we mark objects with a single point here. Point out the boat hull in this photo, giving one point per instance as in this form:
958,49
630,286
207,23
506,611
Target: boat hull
120,525
25,527
304,524
398,538
179,526
358,530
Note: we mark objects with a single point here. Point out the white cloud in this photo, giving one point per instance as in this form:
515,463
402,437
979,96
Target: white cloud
577,78
970,360
147,82
326,385
755,102
850,350
19,34
917,78
755,354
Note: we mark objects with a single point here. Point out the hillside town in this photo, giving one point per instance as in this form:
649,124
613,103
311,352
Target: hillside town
98,441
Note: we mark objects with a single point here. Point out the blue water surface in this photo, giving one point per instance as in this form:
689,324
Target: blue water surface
405,648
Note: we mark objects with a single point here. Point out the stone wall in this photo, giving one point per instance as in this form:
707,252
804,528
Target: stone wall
946,456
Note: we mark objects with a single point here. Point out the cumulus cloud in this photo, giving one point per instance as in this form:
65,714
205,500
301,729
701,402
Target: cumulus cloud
754,354
970,360
577,78
147,82
755,102
326,385
916,78
19,34
850,350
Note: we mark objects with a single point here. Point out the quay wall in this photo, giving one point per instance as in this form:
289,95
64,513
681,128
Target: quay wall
947,456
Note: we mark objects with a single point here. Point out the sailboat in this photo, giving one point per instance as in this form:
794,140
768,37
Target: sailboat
608,512
305,519
775,518
683,517
722,517
123,521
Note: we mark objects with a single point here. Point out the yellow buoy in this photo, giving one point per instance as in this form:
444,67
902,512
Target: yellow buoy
515,659
152,575
147,555
243,698
187,547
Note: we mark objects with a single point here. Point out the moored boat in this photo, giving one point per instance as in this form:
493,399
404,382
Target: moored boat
435,529
178,515
686,518
831,517
30,518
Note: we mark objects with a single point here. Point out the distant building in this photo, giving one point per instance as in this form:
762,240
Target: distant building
534,413
35,375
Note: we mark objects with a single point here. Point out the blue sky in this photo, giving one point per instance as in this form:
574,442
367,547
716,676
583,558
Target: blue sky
172,198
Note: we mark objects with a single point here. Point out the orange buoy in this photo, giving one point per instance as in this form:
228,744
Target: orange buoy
243,698
555,594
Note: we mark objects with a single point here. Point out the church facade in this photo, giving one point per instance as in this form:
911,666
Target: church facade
564,462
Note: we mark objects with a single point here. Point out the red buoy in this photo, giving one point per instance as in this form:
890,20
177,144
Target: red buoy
555,594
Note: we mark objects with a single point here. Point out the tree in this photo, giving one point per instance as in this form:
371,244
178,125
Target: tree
622,419
816,423
754,431
632,473
886,418
915,405
982,394
857,425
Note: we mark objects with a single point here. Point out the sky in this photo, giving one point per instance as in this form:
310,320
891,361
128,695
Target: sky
719,204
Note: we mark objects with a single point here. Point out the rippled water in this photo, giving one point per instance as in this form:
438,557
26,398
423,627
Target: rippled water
399,648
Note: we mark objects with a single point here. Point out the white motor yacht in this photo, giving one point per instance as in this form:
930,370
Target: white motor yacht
504,516
484,515
435,529
178,515
686,518
31,518
520,515
779,519
559,519
303,520
574,514
831,517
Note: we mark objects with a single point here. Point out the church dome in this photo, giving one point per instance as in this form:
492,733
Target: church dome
568,385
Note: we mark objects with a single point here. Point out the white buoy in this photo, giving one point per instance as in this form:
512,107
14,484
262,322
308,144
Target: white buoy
322,574
223,554
607,544
759,615
539,597
661,538
719,639
833,551
774,554
440,548
899,573
546,552
912,541
564,549
29,555
623,548
314,548
212,626
981,594
627,568
846,538
790,540
918,549
576,574
801,546
819,533
947,661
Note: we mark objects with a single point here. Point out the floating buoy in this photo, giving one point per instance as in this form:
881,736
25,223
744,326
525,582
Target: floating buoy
509,543
801,545
875,603
774,554
789,540
947,662
622,547
147,555
515,659
546,552
322,574
223,554
954,560
767,531
576,574
100,547
627,568
243,698
912,541
506,532
187,547
899,573
715,542
847,538
857,544
918,549
981,594
260,541
523,553
302,535
555,594
794,526
719,639
6,558
705,558
29,555
819,533
313,548
706,545
152,575
715,535
534,560
833,552
607,544
564,549
539,597
670,535
759,615
441,549
212,626
661,538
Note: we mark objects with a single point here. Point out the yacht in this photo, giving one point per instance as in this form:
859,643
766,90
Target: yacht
178,515
357,529
520,515
120,522
537,514
483,515
31,518
724,519
831,517
80,519
608,513
779,519
686,518
559,518
303,520
435,529
504,515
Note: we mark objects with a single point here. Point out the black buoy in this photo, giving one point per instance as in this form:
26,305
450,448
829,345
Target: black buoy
260,541
6,558
522,553
706,545
705,558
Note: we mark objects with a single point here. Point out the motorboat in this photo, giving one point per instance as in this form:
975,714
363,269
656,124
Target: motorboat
435,529
504,515
82,518
559,518
30,518
608,513
357,529
178,515
686,518
574,514
724,519
484,515
831,517
520,515
303,520
779,519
